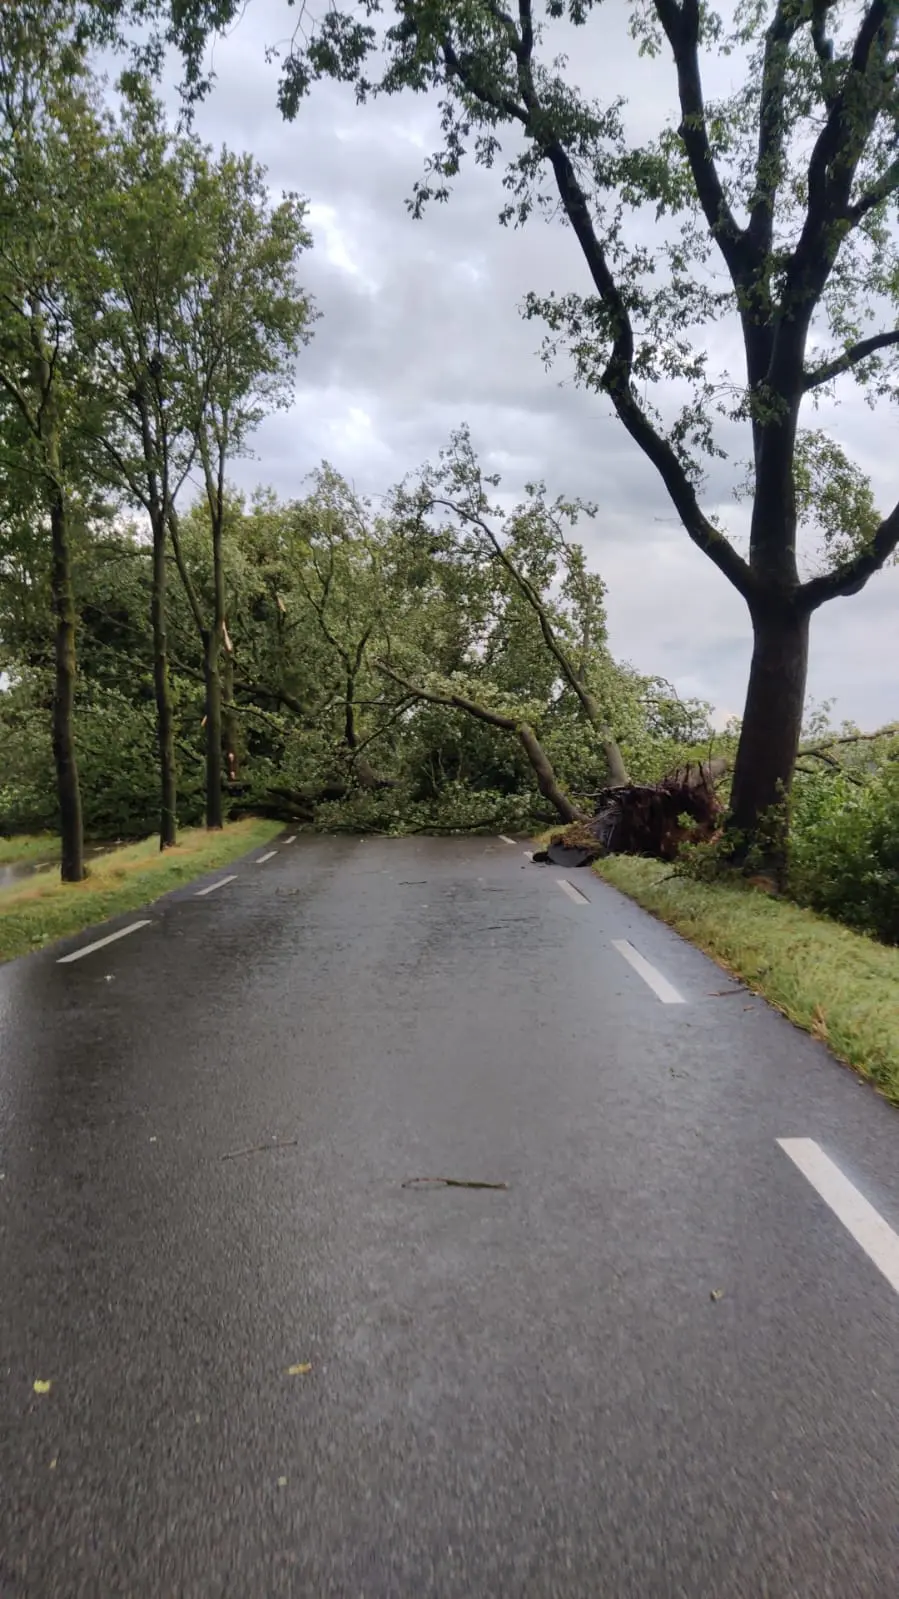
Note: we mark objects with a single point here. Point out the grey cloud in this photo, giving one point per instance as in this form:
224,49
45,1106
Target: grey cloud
421,330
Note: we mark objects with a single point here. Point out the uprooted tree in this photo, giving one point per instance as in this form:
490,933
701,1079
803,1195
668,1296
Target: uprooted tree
791,183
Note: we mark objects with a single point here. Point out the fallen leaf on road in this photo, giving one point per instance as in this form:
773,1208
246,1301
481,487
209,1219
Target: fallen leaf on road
301,1370
282,1482
41,1387
716,1294
53,1462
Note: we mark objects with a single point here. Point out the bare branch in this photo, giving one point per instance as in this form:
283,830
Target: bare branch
850,358
616,380
834,161
824,49
851,576
886,185
681,25
770,158
820,745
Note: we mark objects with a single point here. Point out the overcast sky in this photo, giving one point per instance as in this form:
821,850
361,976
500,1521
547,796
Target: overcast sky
421,331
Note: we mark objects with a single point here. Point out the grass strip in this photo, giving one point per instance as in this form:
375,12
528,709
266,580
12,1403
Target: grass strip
41,909
836,984
28,847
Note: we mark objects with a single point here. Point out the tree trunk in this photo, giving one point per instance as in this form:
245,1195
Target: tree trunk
212,673
70,819
769,738
547,782
165,720
230,721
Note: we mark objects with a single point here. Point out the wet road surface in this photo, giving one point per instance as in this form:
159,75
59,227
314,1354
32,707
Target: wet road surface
657,1363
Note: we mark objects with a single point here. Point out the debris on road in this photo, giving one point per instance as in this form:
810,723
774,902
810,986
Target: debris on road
448,1182
259,1149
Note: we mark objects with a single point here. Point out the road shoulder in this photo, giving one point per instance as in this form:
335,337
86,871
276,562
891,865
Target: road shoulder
838,985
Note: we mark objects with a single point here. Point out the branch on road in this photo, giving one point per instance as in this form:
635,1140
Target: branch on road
547,782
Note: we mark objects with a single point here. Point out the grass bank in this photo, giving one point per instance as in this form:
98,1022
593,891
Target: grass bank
838,985
41,909
28,847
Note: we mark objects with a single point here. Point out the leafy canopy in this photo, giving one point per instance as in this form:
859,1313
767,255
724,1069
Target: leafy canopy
770,209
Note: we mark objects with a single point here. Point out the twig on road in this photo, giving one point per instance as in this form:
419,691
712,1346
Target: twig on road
258,1149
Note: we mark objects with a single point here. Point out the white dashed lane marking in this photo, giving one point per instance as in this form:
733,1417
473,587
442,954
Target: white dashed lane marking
867,1226
263,858
100,943
660,985
211,887
572,892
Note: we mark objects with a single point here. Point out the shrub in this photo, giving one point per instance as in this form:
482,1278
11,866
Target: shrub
844,848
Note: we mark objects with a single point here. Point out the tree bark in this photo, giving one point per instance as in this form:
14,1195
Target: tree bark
213,678
230,720
165,720
547,781
772,724
70,818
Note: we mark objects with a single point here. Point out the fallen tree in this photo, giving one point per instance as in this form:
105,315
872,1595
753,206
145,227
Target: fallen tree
546,779
645,818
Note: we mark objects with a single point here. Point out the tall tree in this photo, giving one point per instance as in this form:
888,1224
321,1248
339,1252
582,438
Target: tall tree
244,320
148,242
48,146
458,487
791,183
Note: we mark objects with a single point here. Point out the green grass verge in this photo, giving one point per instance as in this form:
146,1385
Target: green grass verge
28,847
838,985
41,908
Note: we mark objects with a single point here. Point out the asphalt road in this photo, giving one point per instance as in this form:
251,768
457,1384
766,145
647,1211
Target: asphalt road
657,1363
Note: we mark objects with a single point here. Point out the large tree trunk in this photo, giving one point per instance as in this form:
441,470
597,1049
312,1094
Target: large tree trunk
214,814
547,782
165,720
769,738
70,819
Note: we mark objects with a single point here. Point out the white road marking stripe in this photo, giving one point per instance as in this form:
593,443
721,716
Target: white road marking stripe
263,858
505,838
211,887
660,985
858,1216
79,954
572,892
291,839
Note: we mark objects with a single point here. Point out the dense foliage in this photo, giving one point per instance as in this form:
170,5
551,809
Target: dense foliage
844,856
438,662
340,620
738,258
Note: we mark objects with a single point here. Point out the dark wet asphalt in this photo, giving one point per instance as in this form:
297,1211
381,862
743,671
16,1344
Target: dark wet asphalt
526,1392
